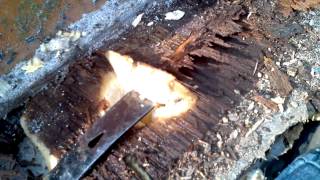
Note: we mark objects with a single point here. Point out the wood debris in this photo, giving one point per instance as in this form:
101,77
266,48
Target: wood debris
254,127
180,51
265,102
280,101
279,80
287,6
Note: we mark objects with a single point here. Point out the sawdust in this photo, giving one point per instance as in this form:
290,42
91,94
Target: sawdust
287,6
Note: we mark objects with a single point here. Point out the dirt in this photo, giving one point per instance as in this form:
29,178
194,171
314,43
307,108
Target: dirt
25,24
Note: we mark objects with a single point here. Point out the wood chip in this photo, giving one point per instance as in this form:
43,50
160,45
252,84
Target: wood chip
279,81
287,6
180,51
254,127
137,20
265,102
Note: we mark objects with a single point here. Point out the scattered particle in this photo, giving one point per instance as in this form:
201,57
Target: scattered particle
174,15
225,120
84,33
251,106
236,91
137,20
259,75
234,134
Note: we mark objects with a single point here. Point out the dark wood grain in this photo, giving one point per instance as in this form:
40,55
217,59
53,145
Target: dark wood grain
215,64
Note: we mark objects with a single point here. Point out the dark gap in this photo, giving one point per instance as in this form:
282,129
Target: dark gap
273,165
201,61
232,40
95,141
233,52
201,4
11,133
186,71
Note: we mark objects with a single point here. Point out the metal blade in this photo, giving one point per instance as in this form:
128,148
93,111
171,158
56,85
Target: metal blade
103,133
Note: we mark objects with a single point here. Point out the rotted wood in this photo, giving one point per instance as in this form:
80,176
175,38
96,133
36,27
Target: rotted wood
207,55
212,61
58,115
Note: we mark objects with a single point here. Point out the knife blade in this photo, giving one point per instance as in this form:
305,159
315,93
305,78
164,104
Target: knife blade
100,136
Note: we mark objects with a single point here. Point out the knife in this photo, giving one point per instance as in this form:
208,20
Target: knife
100,136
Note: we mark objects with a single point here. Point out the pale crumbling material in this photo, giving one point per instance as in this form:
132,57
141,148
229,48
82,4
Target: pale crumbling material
33,65
137,20
251,148
174,15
